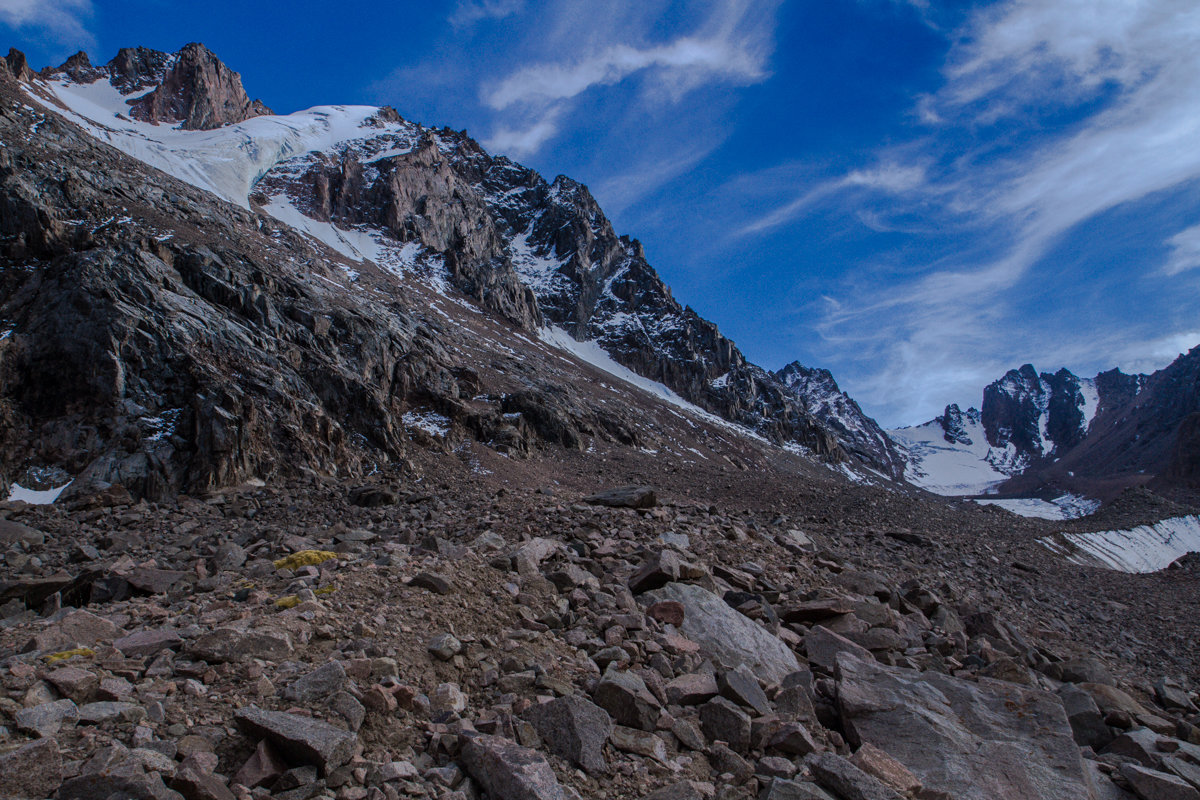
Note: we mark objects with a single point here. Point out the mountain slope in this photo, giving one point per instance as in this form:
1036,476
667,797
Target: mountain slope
411,200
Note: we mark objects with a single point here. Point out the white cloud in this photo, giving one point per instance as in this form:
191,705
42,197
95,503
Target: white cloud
694,60
472,12
521,142
886,178
1185,252
63,21
1128,73
726,42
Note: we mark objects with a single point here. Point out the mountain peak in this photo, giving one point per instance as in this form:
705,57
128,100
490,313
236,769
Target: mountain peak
191,88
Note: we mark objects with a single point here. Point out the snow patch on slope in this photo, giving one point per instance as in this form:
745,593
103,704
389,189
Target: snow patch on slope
1068,506
948,468
35,497
226,161
1147,548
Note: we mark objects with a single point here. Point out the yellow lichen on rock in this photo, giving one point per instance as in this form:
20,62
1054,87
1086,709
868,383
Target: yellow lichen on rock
86,652
291,601
304,558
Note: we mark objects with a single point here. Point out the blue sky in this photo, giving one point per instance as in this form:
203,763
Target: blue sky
916,195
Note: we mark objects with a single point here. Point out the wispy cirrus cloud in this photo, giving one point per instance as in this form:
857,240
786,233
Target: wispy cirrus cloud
62,21
1185,251
1050,115
729,43
472,12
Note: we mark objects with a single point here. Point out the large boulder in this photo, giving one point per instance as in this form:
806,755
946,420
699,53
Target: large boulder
508,771
726,636
973,741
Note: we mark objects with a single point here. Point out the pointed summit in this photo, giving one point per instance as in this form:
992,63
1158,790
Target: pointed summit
200,92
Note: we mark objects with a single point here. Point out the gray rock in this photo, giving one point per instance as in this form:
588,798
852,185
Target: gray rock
196,785
973,741
262,768
727,637
1151,785
823,646
508,771
683,790
143,644
626,698
794,739
445,646
46,719
642,743
1171,695
300,738
1140,744
325,680
848,781
779,789
692,689
110,711
346,706
722,721
76,628
1087,723
32,771
575,729
624,497
740,686
231,645
128,782
1086,670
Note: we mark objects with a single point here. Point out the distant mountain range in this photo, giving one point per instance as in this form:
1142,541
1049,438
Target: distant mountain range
1054,433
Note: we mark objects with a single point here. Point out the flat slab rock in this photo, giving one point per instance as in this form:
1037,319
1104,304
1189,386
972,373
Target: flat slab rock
624,497
301,739
510,772
973,741
727,637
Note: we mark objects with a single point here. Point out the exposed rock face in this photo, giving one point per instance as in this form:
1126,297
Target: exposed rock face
860,435
544,253
963,738
199,92
954,422
191,88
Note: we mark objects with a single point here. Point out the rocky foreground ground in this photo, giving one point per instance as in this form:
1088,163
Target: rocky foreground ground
461,634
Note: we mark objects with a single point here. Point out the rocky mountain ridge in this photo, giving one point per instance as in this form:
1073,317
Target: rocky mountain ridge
433,202
1045,432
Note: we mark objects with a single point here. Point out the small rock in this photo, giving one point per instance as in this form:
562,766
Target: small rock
194,785
692,689
445,646
100,713
226,645
143,644
642,743
448,698
32,771
722,721
76,628
322,682
740,686
775,767
438,584
848,781
624,497
1152,785
47,719
262,768
873,761
625,696
301,738
574,728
